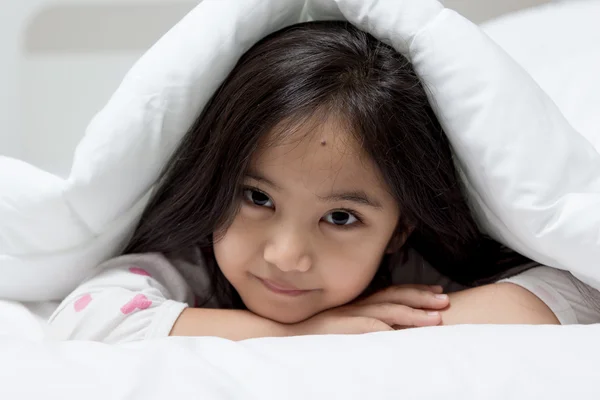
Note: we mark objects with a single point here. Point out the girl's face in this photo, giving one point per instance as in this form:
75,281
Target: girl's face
313,226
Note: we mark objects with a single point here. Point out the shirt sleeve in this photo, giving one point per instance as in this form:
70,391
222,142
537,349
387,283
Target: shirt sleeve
571,301
129,298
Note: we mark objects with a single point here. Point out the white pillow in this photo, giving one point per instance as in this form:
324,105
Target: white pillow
533,180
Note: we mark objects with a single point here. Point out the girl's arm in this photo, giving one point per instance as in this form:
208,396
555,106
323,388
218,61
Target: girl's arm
500,303
540,295
129,298
229,324
144,296
403,305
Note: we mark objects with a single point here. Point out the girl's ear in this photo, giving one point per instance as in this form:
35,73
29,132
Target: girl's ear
398,240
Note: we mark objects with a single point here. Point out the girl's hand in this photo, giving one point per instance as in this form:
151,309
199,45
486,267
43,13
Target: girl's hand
399,306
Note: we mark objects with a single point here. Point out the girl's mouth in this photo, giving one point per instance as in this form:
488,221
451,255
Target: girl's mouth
282,288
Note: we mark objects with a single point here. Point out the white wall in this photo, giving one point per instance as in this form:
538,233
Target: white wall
62,59
481,10
12,16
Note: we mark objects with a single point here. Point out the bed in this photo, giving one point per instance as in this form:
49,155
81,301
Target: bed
551,95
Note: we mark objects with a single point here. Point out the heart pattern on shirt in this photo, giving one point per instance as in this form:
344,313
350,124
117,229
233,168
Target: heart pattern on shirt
139,302
82,302
139,271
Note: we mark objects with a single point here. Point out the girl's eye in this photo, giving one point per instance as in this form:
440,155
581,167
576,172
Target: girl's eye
341,218
258,198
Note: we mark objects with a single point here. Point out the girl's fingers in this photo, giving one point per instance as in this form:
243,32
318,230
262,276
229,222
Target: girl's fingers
438,289
409,296
396,314
431,288
369,325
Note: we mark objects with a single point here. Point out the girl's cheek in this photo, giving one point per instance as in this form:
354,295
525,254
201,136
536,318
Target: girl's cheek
348,267
238,245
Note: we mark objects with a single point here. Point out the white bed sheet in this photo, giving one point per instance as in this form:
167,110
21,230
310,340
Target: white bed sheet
516,362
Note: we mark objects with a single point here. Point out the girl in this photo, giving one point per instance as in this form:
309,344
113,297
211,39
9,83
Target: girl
299,202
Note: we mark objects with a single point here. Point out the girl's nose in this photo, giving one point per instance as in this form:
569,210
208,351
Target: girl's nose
288,250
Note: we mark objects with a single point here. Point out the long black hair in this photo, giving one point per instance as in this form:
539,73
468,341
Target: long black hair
319,68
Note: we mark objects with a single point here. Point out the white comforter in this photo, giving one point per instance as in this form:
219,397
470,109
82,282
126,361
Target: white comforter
463,362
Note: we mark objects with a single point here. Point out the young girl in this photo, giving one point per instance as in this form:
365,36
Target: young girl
301,202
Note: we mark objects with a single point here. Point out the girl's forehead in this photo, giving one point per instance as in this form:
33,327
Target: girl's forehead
324,152
312,141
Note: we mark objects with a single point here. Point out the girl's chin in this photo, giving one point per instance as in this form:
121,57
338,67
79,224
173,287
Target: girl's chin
281,315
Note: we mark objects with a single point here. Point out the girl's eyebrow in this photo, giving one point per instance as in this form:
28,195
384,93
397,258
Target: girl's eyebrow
259,178
355,196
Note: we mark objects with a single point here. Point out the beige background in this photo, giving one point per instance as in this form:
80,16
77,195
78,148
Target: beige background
60,61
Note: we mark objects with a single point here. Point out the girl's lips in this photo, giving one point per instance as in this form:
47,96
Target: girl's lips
281,288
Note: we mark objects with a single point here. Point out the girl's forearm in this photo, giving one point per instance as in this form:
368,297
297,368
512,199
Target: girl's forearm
227,324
